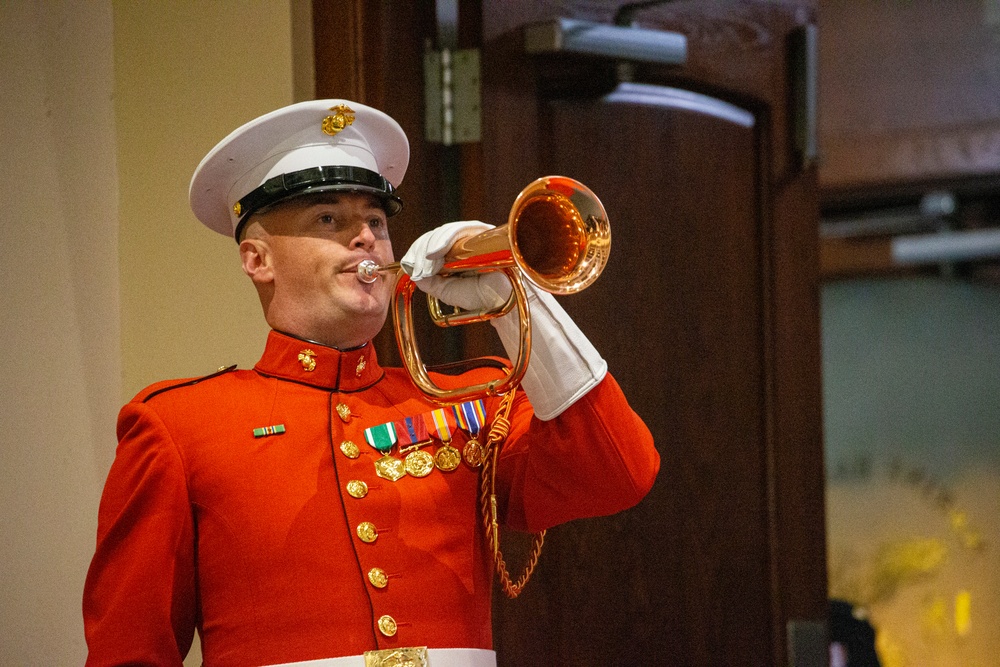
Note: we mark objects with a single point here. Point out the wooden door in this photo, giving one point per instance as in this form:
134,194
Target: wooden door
678,314
707,315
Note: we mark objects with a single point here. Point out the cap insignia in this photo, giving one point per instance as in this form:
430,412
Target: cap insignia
308,360
237,209
342,116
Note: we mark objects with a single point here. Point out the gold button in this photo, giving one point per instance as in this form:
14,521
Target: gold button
378,577
357,488
344,412
367,532
387,625
349,449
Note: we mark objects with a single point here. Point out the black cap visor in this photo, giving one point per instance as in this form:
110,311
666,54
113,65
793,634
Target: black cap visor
313,180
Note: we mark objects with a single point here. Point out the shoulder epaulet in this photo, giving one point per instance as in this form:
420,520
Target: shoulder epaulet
160,387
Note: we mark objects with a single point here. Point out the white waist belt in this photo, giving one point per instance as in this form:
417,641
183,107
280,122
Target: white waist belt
415,657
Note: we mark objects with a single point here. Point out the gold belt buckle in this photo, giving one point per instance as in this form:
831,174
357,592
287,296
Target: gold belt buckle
411,656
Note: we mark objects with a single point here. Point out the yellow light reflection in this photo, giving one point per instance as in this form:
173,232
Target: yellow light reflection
963,613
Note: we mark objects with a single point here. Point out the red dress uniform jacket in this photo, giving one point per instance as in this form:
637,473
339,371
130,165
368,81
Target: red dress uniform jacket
274,551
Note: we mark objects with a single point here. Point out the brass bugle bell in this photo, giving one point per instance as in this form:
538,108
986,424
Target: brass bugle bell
557,236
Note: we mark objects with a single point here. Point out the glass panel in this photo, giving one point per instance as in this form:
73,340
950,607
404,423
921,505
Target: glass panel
911,382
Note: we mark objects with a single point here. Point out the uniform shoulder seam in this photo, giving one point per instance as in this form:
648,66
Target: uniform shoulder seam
157,389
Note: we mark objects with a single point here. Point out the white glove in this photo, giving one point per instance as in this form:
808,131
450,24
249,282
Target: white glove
481,291
563,366
426,256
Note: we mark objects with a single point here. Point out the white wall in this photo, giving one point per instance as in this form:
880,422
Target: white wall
108,281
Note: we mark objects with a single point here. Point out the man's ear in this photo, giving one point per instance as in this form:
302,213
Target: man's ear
258,262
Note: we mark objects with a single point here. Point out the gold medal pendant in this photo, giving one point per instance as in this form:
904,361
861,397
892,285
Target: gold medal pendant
390,468
447,458
473,453
419,464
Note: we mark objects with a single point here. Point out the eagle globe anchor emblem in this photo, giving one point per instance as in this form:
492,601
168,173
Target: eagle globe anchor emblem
308,360
342,116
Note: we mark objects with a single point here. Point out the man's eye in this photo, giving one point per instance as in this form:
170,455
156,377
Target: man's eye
326,219
376,223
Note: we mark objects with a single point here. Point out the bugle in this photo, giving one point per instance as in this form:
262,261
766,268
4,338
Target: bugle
557,236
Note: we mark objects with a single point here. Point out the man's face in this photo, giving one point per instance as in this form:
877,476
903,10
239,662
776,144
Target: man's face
316,243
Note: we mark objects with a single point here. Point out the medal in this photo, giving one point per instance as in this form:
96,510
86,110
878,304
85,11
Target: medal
473,453
447,457
471,416
382,438
390,468
419,464
412,433
440,423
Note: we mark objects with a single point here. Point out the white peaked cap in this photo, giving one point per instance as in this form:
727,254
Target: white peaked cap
304,148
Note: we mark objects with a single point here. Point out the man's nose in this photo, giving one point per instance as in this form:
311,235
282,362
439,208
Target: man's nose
365,238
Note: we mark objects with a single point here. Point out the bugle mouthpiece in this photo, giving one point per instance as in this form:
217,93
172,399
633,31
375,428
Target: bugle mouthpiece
368,271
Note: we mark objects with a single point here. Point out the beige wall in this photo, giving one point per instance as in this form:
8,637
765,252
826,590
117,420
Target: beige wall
187,73
59,298
109,282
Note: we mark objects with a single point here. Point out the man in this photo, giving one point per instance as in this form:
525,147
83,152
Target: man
318,509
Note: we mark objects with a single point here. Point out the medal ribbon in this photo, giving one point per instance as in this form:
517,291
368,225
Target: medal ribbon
411,430
441,422
381,437
471,416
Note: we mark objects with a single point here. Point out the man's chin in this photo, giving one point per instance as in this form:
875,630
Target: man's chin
371,315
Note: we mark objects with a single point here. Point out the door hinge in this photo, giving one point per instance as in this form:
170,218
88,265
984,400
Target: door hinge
804,65
451,96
